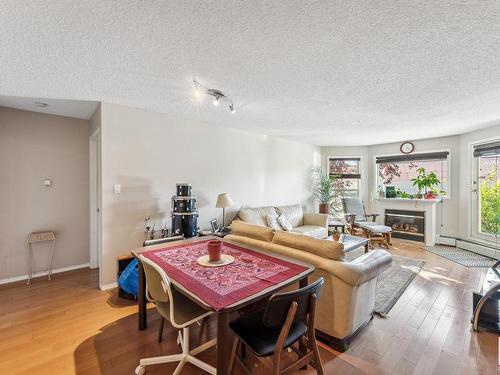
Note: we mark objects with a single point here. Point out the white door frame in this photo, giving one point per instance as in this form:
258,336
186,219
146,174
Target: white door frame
474,195
95,199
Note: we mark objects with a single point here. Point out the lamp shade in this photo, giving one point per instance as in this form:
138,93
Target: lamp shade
224,201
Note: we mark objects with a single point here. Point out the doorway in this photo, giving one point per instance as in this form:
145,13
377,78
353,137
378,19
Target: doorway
486,194
95,199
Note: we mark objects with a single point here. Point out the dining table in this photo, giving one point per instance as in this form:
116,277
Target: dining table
254,276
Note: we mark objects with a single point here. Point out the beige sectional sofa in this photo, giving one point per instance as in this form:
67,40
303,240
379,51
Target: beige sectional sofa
314,225
348,297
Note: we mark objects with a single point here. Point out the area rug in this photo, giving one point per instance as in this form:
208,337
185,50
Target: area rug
460,256
392,283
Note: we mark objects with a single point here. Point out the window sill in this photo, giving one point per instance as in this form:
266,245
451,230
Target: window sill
409,200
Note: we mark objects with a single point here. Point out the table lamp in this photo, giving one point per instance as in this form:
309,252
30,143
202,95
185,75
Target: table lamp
224,201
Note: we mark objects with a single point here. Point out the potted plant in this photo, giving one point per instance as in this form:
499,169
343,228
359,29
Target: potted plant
425,183
323,190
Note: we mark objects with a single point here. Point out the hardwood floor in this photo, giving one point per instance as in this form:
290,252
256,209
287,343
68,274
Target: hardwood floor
68,326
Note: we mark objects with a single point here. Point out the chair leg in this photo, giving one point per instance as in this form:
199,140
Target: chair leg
317,359
233,354
160,332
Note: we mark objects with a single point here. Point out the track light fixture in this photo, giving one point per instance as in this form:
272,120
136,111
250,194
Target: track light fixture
217,95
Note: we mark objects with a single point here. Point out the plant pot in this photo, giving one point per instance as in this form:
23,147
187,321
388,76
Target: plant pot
430,196
324,208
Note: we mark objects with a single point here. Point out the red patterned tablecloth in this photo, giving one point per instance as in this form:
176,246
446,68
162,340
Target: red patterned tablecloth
219,287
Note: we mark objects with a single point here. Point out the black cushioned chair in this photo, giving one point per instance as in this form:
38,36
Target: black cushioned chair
287,319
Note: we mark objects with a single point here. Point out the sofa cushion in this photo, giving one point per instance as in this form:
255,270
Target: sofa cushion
256,215
324,248
293,213
311,230
257,232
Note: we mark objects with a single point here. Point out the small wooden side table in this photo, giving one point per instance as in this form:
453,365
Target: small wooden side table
40,237
335,224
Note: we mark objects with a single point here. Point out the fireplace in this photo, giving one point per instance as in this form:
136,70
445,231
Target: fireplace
406,224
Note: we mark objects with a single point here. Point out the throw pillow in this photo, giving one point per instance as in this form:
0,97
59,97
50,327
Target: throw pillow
283,221
272,222
293,213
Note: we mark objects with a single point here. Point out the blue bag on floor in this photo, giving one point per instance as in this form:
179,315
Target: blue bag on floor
129,278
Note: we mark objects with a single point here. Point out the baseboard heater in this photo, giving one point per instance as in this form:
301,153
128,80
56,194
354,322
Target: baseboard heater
469,245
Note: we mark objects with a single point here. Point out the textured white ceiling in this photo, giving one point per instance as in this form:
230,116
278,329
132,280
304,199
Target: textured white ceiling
70,108
324,72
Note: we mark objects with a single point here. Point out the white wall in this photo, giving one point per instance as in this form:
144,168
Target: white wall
148,153
35,146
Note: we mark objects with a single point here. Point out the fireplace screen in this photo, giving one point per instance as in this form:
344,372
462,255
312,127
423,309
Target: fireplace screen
406,224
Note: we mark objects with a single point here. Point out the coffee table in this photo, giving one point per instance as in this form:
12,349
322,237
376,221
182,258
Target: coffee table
335,224
352,242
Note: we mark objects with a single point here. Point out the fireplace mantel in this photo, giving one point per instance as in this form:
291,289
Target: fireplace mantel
428,206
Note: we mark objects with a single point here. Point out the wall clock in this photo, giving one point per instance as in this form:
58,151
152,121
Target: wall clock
407,147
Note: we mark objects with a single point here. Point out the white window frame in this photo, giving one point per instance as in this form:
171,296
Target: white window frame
360,190
375,168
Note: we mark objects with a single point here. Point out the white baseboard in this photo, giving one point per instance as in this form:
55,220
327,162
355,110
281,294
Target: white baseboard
42,273
109,286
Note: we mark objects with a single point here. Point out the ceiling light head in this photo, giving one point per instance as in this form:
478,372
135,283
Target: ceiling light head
217,95
41,104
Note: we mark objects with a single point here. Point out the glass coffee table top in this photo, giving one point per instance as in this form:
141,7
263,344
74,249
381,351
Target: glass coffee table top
352,242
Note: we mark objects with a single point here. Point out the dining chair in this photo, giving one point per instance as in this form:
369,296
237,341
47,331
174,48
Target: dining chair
158,241
287,319
181,312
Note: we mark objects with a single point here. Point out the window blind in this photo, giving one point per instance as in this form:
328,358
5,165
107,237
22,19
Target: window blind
487,149
443,155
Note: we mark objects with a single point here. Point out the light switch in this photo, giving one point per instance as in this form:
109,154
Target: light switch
47,182
117,188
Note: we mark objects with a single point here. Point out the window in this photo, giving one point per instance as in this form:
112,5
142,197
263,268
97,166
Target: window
346,174
398,171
